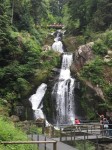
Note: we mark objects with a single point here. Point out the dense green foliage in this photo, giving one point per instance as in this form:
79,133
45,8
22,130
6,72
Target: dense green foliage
88,145
100,48
92,70
23,64
98,71
9,133
86,15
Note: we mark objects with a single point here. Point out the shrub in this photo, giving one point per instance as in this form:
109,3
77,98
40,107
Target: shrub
108,39
9,133
108,92
99,48
93,71
88,145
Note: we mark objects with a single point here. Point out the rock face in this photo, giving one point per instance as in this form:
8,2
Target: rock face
93,93
82,55
97,91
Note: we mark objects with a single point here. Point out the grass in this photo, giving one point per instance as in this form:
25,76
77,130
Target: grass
8,132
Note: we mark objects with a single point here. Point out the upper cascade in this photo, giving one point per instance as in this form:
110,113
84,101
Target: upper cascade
58,45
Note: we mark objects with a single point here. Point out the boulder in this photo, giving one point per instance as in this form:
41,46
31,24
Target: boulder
46,48
15,118
107,58
82,55
40,120
109,53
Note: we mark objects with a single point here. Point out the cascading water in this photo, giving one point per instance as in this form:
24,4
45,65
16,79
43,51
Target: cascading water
36,101
58,45
63,93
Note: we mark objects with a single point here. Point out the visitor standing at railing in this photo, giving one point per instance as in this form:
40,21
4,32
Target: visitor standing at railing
101,123
105,126
110,126
77,122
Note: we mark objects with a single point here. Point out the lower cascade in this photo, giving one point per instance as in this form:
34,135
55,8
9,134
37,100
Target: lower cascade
63,94
36,101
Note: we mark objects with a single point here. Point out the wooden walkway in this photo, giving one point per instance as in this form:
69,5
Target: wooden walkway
60,145
82,132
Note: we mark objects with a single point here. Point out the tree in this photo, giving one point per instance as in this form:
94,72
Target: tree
102,17
81,14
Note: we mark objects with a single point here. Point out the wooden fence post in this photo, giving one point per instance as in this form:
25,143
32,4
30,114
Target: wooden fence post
97,147
38,139
87,132
53,131
74,135
55,146
91,129
45,143
43,126
60,135
71,133
84,142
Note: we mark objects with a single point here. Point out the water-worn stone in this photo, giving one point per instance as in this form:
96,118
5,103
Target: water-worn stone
107,58
15,118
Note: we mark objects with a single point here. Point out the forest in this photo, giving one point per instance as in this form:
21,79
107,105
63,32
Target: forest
23,32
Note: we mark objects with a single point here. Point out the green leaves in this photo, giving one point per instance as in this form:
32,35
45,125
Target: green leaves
9,133
92,70
95,14
108,92
100,48
108,39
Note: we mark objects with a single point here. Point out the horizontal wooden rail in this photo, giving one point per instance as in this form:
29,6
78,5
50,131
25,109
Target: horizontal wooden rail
26,142
31,142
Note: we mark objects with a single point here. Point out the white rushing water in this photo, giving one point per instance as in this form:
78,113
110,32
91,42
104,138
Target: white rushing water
58,45
63,92
36,101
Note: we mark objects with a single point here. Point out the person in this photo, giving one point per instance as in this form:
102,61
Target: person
77,122
101,123
105,126
110,126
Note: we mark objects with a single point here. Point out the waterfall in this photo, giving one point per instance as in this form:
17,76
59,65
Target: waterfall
58,45
36,101
63,93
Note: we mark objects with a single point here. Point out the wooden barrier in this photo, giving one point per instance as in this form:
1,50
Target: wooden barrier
88,132
31,142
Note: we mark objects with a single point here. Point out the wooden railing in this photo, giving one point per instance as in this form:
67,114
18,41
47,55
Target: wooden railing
86,132
31,142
